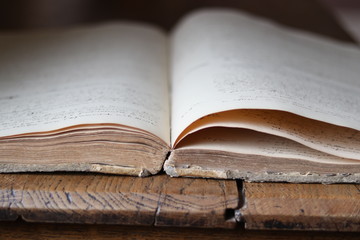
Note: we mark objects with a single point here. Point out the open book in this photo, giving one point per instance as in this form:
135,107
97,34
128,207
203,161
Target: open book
226,95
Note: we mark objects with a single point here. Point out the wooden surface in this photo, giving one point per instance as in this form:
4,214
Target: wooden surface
40,231
186,202
301,206
94,198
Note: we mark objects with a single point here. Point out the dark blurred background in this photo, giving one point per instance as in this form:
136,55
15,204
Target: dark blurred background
308,15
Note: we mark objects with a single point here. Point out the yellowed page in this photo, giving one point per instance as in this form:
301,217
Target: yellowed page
245,141
112,73
224,60
338,141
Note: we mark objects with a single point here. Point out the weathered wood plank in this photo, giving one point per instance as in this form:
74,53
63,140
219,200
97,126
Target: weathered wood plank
197,202
95,198
301,206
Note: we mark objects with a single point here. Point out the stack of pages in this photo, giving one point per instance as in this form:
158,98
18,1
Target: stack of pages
225,95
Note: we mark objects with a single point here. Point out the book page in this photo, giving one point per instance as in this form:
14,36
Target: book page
225,60
318,135
246,141
112,73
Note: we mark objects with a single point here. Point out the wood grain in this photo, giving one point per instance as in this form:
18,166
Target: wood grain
301,206
24,231
95,198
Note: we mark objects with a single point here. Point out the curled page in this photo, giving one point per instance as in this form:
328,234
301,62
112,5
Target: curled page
224,60
331,139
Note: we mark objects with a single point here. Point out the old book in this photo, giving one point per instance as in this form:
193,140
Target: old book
225,95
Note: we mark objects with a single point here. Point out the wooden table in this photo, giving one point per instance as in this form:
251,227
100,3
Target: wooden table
82,206
182,202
